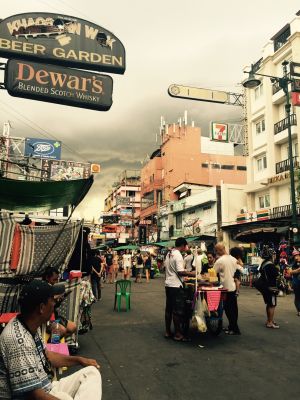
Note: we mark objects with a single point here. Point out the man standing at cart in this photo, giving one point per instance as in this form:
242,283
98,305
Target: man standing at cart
226,266
175,302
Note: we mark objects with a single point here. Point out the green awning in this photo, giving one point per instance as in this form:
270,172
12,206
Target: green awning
28,196
128,247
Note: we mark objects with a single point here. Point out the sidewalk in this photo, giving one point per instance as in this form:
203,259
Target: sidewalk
137,363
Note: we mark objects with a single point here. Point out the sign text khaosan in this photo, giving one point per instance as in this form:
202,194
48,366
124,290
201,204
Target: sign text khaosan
58,84
63,40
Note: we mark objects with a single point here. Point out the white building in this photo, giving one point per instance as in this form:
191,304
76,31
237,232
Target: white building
268,183
200,210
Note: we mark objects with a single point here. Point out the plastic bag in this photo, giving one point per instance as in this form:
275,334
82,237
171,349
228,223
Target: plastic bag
198,319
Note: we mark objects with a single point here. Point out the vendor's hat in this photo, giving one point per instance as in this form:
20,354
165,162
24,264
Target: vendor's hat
38,291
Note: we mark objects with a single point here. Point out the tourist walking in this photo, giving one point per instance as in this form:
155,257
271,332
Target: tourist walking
295,273
127,264
226,266
269,274
139,267
109,264
148,265
115,266
175,302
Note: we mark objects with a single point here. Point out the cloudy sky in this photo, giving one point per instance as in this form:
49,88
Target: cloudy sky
192,42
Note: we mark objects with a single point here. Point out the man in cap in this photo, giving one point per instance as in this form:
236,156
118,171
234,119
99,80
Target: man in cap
25,364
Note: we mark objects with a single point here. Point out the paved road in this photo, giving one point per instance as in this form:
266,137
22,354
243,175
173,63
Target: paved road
139,364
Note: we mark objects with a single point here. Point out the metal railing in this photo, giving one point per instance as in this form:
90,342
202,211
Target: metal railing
283,124
284,165
283,211
282,39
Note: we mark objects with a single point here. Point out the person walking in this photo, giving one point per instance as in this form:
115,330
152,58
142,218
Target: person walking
96,275
148,265
237,253
109,264
269,274
226,266
175,304
295,273
115,266
127,264
139,267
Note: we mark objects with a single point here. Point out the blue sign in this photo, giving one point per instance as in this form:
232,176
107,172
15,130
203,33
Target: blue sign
42,148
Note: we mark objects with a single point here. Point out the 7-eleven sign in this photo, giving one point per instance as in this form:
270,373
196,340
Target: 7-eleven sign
219,132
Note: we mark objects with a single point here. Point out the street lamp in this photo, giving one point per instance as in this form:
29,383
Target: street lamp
251,82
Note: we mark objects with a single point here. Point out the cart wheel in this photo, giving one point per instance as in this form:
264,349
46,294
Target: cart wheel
214,326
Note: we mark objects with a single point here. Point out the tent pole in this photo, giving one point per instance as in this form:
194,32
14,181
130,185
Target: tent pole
81,249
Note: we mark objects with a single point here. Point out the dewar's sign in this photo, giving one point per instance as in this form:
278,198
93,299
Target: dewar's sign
61,39
57,84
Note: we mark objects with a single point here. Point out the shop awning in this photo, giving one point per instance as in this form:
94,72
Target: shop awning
28,196
259,234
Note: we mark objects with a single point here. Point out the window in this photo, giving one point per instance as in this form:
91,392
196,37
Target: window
216,166
260,126
227,166
259,91
261,163
130,193
204,165
179,221
264,201
241,168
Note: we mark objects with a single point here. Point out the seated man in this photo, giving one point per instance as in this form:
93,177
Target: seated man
25,364
66,328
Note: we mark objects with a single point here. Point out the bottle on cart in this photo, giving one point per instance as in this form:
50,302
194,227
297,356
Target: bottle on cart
55,332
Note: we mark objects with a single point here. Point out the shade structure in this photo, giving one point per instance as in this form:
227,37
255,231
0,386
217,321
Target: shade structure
171,243
127,247
25,196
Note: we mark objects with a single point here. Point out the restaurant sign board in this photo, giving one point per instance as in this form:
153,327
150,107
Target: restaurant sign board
63,40
58,84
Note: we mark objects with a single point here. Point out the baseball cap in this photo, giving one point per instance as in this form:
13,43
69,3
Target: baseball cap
38,291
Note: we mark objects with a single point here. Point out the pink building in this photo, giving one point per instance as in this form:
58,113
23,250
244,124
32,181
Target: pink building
185,156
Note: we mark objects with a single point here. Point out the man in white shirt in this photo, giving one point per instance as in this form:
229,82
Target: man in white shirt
226,266
175,306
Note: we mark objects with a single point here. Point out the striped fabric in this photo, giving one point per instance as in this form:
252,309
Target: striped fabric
9,294
7,229
36,247
213,299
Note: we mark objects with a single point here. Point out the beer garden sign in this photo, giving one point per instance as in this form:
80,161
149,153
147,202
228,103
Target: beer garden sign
62,43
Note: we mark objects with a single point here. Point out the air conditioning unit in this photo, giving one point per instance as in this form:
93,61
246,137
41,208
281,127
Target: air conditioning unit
244,210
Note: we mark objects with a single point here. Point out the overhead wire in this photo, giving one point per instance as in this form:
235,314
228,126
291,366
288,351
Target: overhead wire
33,125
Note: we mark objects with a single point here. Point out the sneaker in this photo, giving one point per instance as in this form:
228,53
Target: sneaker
272,326
233,333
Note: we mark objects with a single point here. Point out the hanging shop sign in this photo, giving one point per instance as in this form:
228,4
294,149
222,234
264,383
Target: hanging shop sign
110,219
142,234
219,132
59,170
63,40
42,148
279,178
295,99
57,84
109,229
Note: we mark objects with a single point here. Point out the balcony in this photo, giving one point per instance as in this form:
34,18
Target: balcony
283,211
150,186
284,166
283,124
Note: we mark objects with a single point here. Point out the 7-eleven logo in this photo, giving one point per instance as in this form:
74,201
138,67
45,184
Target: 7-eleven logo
219,132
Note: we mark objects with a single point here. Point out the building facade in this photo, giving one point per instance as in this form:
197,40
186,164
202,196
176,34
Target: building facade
122,208
268,163
185,157
268,191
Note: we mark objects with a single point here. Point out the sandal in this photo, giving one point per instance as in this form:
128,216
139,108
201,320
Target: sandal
166,336
272,326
